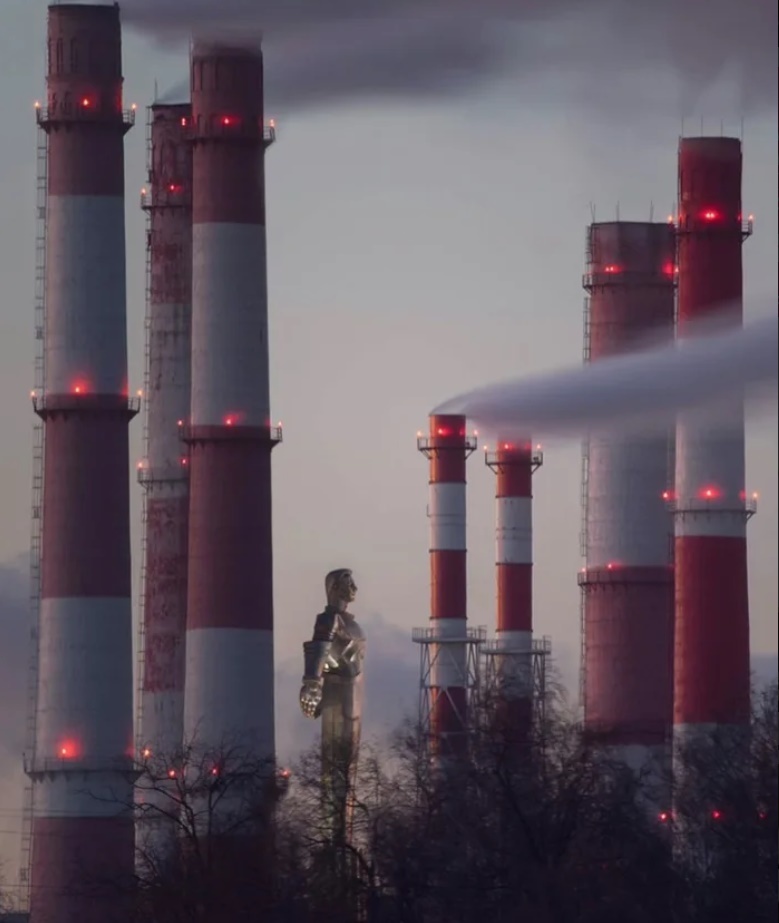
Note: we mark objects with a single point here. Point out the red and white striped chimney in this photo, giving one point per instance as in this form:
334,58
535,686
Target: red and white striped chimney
446,680
82,850
711,681
627,581
228,698
514,463
164,473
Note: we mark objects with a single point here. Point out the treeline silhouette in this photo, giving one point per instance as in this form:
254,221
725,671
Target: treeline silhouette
553,831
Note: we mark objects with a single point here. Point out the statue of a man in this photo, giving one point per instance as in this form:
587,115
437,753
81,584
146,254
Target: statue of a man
332,688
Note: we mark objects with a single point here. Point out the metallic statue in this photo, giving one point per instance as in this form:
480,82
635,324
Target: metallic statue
332,689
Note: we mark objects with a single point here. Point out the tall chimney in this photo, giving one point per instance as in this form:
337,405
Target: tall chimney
627,581
228,698
448,651
511,657
81,768
711,678
164,472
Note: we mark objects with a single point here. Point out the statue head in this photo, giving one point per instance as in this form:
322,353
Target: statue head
340,588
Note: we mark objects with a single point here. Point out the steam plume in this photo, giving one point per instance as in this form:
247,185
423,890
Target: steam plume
320,49
634,392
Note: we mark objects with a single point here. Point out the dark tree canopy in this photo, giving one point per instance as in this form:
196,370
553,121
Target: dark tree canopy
556,833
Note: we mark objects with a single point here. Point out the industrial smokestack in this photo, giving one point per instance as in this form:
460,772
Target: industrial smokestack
228,700
448,649
81,768
627,581
711,677
164,473
511,657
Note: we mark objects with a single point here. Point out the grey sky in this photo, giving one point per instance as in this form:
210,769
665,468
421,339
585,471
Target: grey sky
416,250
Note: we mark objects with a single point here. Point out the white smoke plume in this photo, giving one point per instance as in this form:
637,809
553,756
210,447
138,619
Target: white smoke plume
329,49
634,392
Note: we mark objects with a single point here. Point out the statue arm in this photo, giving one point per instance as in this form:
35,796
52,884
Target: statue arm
315,656
317,650
325,625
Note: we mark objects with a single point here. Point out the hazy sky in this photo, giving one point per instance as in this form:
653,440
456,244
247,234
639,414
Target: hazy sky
416,249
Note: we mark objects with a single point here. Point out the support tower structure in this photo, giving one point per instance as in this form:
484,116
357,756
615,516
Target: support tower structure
515,664
228,700
711,509
449,655
82,763
164,472
627,580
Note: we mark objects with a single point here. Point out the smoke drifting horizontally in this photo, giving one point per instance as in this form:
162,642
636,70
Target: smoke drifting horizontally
330,49
634,392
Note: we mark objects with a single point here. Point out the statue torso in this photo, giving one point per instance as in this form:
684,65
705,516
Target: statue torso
347,642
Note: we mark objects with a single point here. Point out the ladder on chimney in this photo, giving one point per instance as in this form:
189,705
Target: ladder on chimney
141,636
37,509
584,493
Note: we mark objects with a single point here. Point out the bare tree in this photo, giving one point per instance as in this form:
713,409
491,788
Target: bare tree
725,818
552,832
206,835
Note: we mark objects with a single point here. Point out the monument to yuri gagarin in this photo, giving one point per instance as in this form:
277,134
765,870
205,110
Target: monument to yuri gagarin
332,689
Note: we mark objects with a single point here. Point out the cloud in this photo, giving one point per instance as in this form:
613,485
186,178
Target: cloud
765,668
14,661
320,50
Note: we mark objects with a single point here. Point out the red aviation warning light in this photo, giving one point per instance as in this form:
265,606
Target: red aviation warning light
67,750
710,214
86,102
234,418
611,269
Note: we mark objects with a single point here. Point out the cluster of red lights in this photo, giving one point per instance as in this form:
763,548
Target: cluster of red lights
611,268
708,493
172,773
715,814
